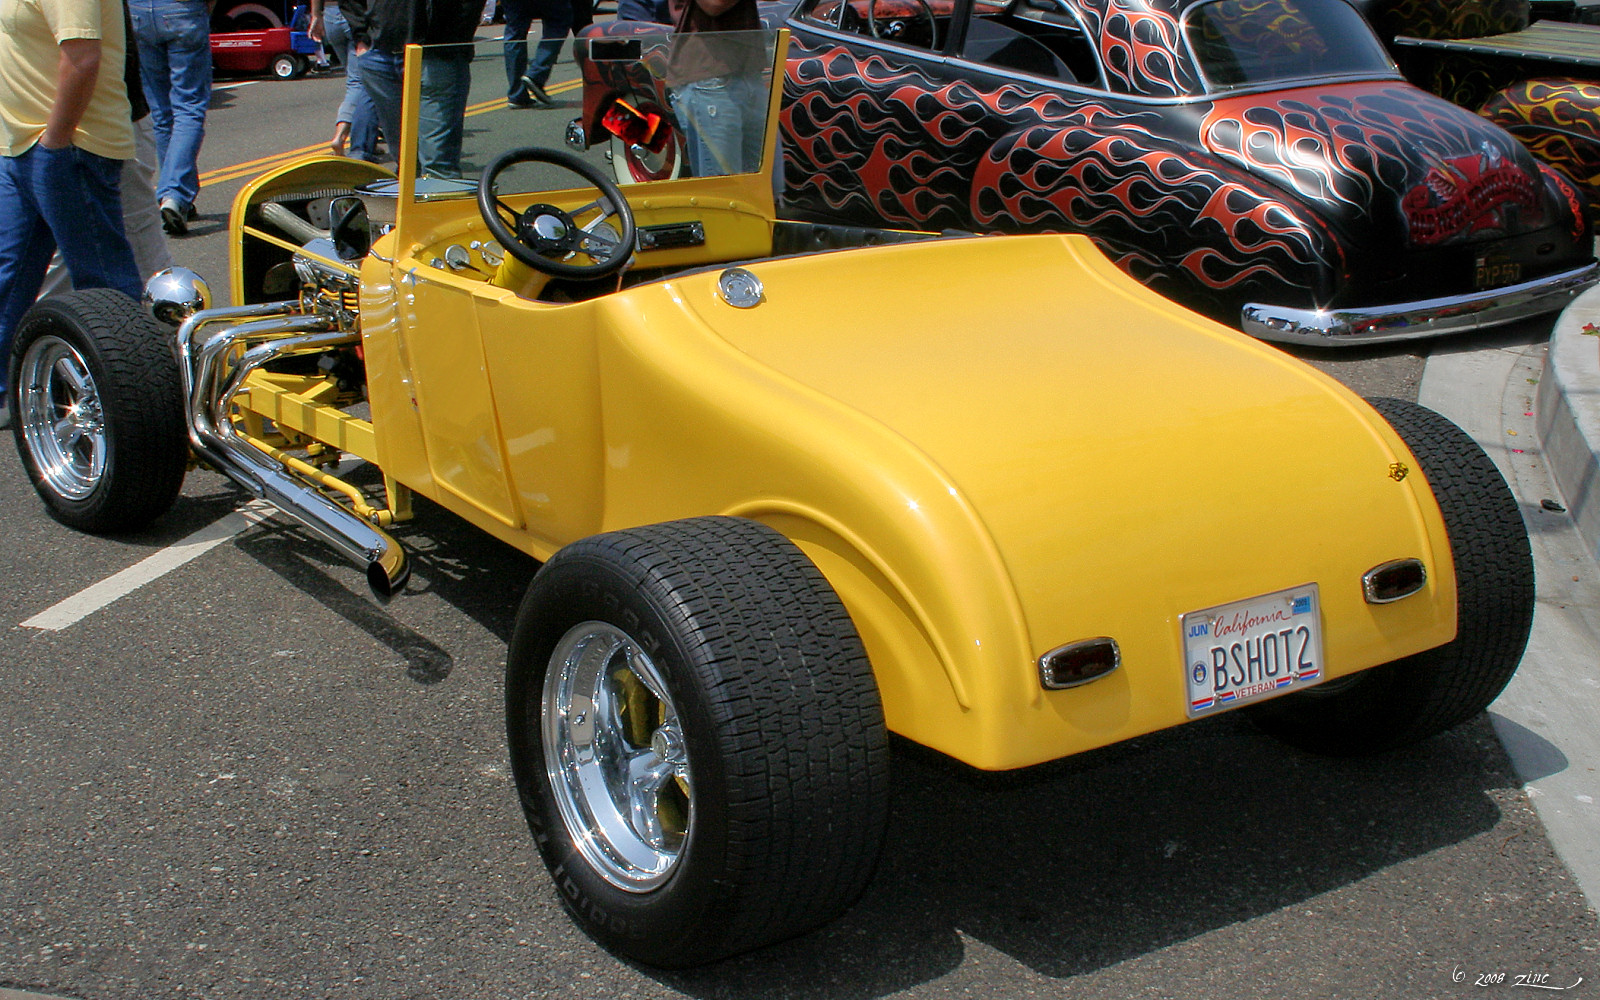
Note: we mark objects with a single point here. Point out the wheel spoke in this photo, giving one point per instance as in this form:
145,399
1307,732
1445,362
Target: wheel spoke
645,669
647,774
92,448
69,369
67,433
615,755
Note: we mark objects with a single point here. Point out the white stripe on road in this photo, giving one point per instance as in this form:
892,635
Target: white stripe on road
91,599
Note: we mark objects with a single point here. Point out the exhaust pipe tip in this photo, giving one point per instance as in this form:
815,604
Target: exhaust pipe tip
387,580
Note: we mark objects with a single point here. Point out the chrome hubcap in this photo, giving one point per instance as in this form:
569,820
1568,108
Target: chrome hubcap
615,756
61,417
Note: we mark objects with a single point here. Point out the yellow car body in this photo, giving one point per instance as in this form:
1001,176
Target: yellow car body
794,487
991,447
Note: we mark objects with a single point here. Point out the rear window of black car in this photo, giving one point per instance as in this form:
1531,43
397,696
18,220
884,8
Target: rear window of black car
1241,43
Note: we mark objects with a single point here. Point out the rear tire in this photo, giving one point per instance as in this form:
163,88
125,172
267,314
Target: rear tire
697,739
1417,697
97,409
285,67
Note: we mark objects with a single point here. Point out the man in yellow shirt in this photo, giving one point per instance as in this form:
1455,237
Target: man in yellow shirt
65,128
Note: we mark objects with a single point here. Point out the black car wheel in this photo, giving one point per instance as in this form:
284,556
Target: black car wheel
697,739
98,415
1411,699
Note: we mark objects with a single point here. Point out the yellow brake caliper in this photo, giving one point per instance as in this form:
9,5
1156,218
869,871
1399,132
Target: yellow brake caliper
641,714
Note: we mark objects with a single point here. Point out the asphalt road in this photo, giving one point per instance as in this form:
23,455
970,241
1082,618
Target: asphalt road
244,779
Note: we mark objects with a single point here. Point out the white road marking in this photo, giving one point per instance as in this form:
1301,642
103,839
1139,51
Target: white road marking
231,86
91,599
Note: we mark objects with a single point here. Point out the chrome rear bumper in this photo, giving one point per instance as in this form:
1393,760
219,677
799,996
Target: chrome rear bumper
1427,318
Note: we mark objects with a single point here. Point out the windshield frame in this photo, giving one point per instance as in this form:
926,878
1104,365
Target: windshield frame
413,186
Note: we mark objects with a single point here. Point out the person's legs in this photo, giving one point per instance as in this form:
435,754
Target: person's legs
446,78
555,21
79,194
154,74
355,110
25,249
141,219
710,115
636,10
336,34
752,97
519,18
380,77
189,66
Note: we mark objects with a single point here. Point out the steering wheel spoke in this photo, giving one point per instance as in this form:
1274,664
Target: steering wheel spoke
548,238
507,210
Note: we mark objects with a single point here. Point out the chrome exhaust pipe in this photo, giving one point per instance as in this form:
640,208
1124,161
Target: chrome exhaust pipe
211,380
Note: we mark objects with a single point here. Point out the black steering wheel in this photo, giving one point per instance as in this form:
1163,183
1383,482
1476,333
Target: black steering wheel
897,29
544,236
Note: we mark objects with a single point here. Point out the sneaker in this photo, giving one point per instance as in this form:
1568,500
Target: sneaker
520,102
174,217
536,94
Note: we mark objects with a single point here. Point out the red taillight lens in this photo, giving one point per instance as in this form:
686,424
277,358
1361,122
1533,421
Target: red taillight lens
635,127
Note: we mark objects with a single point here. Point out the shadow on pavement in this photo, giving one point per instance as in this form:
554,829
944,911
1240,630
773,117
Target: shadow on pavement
470,571
1069,868
1077,866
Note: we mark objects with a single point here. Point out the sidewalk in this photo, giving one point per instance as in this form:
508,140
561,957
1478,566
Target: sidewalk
1536,410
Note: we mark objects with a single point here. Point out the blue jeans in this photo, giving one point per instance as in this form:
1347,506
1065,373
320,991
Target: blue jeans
174,38
644,10
446,78
557,18
356,108
69,198
724,121
381,74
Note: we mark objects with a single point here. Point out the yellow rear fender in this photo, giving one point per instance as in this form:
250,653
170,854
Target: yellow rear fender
898,540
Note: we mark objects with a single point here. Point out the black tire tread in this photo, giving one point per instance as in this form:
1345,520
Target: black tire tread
804,750
141,393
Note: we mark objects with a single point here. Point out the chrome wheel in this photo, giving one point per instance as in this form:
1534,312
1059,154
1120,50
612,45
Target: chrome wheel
615,756
61,417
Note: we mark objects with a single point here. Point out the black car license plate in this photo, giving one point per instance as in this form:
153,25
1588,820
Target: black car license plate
1495,271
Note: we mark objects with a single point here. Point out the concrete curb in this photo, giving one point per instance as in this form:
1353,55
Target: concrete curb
1487,384
1568,414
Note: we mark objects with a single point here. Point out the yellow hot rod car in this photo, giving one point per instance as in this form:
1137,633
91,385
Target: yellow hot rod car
795,487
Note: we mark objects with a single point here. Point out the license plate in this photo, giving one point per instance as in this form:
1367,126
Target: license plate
1494,271
1253,649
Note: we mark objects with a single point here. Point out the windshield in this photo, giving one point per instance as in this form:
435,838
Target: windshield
1240,43
664,107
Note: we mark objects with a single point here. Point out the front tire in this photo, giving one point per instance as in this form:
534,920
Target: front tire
98,411
1419,696
697,739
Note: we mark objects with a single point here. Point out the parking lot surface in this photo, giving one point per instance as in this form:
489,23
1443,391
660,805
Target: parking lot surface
240,778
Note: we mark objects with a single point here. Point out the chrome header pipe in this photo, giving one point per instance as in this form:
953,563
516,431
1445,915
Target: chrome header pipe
212,375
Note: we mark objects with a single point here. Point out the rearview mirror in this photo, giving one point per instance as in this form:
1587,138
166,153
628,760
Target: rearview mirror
351,233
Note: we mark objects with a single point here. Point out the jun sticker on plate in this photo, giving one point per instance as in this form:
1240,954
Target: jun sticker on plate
1252,649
